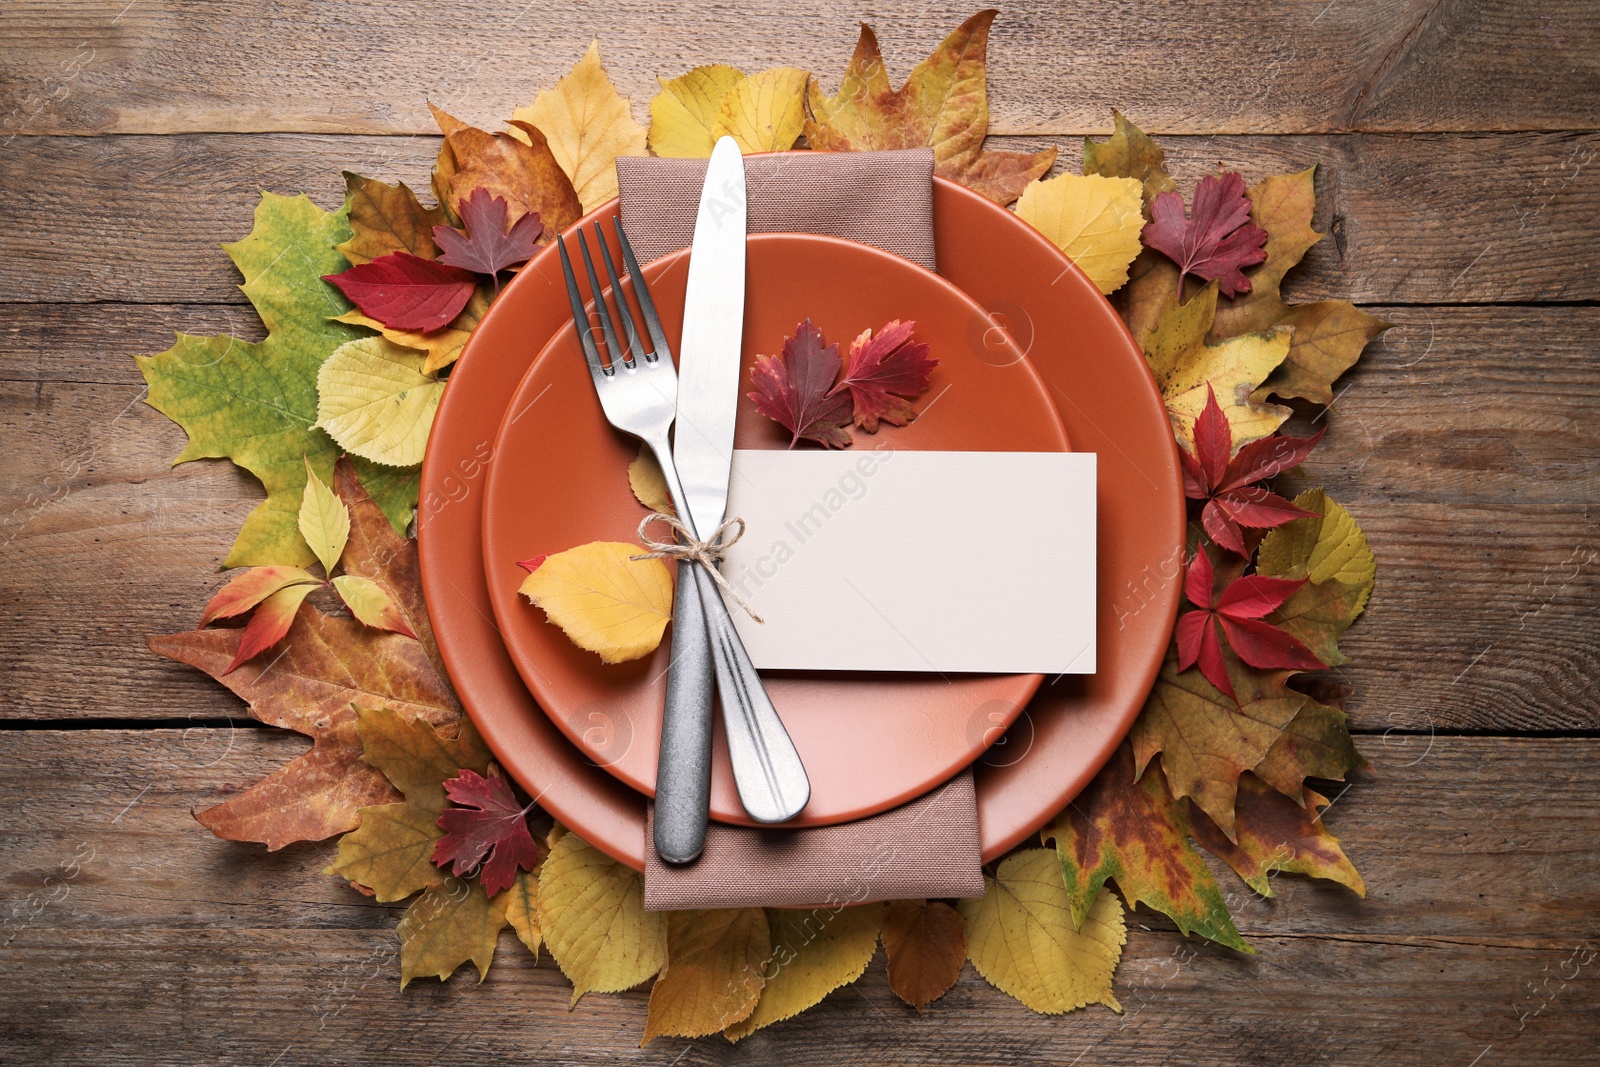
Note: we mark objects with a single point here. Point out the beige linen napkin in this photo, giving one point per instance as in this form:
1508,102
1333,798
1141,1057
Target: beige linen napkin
929,846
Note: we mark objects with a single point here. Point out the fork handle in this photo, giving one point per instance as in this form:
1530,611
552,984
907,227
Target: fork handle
683,769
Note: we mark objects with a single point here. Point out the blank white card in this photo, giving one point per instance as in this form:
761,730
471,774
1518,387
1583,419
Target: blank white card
885,560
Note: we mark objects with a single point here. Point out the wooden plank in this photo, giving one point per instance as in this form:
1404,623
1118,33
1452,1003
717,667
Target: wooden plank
1412,220
99,66
131,936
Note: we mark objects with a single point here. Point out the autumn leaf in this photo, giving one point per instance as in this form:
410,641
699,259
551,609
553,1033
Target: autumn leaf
647,482
449,924
522,910
386,218
1275,833
605,600
684,113
1229,484
1329,337
488,247
794,389
1331,554
943,104
407,292
1190,370
1021,937
376,402
517,167
884,374
1136,833
487,826
370,603
375,553
591,912
256,403
251,588
444,345
324,521
813,953
1094,220
269,624
1129,153
1236,612
588,124
926,943
764,112
714,972
1315,744
1217,241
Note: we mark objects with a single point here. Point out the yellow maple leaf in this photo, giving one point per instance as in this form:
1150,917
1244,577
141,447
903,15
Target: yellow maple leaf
591,912
442,346
588,125
765,112
683,114
449,924
647,482
1020,937
375,401
605,601
1094,220
324,521
813,953
714,972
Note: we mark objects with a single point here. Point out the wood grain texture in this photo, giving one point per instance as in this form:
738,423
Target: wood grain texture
180,66
133,937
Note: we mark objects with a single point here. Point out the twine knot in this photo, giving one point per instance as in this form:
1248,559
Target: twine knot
708,552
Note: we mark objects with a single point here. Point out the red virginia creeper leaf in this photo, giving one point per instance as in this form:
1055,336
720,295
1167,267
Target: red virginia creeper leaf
488,822
793,389
1217,240
407,292
884,374
1228,485
250,589
270,622
487,247
1238,612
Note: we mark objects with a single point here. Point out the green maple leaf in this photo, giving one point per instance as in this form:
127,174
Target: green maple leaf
256,403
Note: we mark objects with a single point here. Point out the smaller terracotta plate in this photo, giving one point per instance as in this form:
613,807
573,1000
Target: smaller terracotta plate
869,741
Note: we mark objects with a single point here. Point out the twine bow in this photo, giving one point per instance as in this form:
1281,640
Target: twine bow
707,553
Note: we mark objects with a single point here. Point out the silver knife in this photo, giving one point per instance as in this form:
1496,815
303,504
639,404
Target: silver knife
772,782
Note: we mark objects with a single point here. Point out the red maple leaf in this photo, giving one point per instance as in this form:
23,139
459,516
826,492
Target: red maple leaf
1228,486
884,374
796,389
407,292
488,247
1237,613
1217,240
489,821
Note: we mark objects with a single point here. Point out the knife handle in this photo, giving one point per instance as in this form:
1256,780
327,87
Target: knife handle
683,768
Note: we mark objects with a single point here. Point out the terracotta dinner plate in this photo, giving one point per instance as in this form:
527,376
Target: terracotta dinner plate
869,741
1108,403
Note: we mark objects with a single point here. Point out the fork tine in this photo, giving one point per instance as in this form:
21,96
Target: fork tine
613,349
580,316
623,311
641,289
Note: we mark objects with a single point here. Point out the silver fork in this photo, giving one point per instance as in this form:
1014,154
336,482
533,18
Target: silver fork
640,397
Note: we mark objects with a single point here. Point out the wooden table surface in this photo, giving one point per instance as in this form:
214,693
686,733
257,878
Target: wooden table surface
1457,143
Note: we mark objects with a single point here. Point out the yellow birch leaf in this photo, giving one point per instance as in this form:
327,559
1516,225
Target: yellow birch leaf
1095,220
591,912
926,945
1331,546
588,125
442,346
375,401
647,482
813,953
605,601
683,113
713,976
1020,937
765,112
451,923
522,910
324,521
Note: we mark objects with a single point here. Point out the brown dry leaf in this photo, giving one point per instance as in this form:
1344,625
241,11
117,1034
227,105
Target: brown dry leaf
520,170
765,112
813,953
926,943
714,972
591,912
1315,744
1276,833
442,346
1021,938
1136,833
944,104
449,924
1129,154
588,124
387,218
683,113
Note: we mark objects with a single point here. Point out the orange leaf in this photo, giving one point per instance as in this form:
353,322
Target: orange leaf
270,622
1277,834
926,942
944,104
251,588
523,173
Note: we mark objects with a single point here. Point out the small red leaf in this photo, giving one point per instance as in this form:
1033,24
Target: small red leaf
407,292
1255,596
1197,583
1213,439
1213,664
250,589
1265,646
1258,508
270,622
487,247
533,563
884,374
1236,614
1222,529
793,389
1266,458
487,822
1217,240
